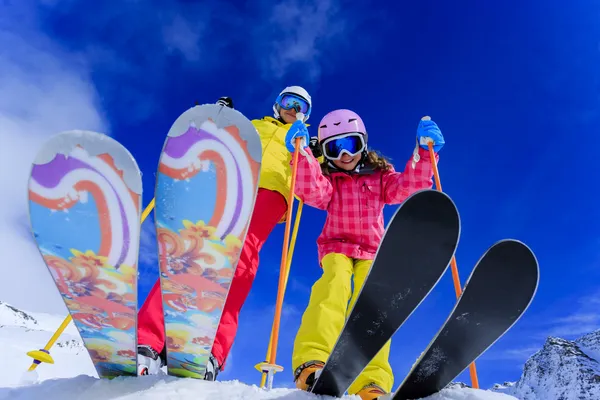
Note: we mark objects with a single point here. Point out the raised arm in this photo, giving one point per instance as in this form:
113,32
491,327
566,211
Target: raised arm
418,172
397,186
312,187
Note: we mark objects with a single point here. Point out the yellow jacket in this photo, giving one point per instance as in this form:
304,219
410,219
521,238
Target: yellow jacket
276,173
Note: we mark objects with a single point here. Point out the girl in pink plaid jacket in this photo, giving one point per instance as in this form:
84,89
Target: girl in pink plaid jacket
353,185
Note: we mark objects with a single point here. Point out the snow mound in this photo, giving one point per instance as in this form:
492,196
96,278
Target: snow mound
167,387
22,331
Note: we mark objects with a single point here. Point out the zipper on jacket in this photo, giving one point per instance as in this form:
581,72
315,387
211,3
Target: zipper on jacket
360,211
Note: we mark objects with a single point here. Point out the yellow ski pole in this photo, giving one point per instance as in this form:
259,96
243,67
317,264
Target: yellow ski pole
43,355
289,263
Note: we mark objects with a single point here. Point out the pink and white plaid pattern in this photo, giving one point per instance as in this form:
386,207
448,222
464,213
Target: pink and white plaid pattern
354,203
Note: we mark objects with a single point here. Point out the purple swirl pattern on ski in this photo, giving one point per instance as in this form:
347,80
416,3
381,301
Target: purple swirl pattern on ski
182,151
54,182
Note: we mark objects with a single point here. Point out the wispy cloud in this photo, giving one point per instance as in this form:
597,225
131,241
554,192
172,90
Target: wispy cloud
520,354
136,44
132,42
528,335
184,37
43,90
580,319
299,33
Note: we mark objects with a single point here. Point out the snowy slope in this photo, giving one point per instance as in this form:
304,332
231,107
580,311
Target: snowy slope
562,369
21,332
73,375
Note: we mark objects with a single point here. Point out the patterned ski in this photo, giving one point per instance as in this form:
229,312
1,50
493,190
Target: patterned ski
205,192
85,193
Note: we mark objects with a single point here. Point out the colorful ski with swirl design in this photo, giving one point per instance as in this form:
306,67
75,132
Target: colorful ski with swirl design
205,192
85,193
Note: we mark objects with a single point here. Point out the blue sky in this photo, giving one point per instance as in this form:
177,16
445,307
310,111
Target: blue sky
514,88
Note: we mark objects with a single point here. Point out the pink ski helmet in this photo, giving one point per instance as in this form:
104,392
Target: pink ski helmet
341,121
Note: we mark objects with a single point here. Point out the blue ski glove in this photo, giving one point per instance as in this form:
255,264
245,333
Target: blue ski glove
429,130
297,130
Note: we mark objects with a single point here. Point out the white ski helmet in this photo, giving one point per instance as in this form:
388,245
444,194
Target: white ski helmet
298,91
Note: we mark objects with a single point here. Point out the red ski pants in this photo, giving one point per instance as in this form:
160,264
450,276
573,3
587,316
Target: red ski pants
269,209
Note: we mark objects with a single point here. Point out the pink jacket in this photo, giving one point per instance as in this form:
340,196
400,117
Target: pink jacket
354,203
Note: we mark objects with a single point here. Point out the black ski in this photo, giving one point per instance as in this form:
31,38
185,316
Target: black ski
499,290
416,250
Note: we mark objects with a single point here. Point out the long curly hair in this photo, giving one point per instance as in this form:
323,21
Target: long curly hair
373,159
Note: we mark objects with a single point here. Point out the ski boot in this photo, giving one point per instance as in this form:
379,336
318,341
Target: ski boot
307,373
371,392
212,369
150,361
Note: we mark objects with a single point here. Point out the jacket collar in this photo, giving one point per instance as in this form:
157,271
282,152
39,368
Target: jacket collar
278,122
359,170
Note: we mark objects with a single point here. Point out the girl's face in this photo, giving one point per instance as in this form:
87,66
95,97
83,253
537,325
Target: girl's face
289,116
347,163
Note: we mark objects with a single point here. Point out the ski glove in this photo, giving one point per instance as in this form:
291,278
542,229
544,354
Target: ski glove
429,130
297,130
225,101
315,147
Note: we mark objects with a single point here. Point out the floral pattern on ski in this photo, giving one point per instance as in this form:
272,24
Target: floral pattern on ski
84,205
206,187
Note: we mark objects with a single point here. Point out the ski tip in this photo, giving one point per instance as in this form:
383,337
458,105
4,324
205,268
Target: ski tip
431,195
215,119
517,244
88,144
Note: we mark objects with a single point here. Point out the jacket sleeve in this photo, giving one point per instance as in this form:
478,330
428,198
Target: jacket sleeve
397,186
312,187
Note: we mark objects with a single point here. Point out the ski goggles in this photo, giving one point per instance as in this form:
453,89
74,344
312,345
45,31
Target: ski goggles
288,101
352,143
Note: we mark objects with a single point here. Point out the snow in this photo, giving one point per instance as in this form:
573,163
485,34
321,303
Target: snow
73,375
166,387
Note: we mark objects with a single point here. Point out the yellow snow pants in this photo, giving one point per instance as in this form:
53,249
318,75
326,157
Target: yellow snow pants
326,313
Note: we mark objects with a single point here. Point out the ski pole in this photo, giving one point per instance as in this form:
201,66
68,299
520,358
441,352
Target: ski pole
455,276
43,355
289,263
271,368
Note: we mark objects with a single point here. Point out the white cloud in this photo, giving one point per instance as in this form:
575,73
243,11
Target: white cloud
517,354
297,34
568,319
183,36
581,319
43,91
